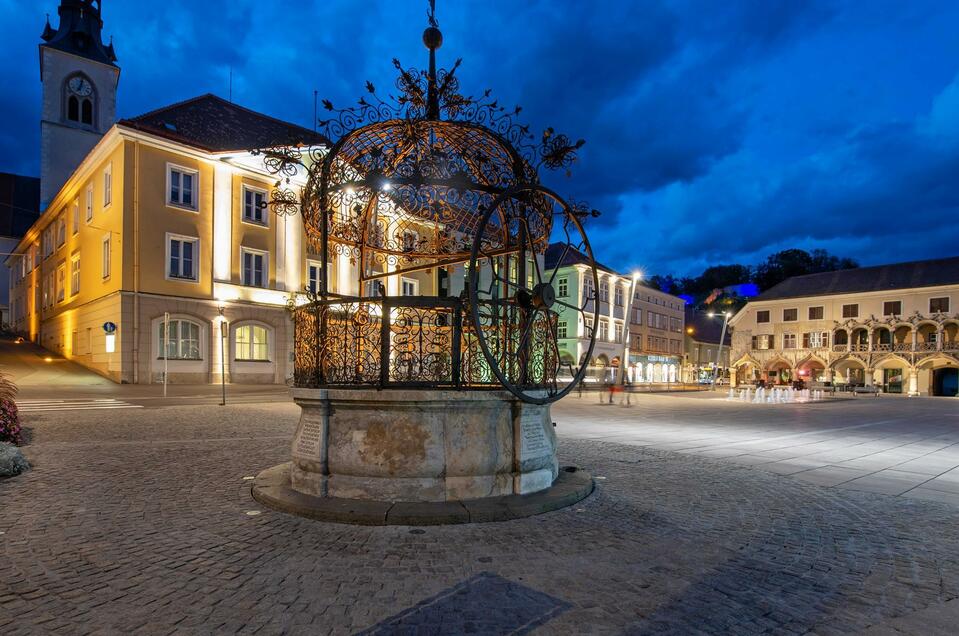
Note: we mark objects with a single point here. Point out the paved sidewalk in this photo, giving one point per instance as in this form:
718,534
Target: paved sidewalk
889,445
141,522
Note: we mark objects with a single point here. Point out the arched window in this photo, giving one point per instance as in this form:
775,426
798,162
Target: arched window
80,105
87,112
251,343
73,108
181,342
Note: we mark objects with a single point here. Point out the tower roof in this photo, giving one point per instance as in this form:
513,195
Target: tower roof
79,32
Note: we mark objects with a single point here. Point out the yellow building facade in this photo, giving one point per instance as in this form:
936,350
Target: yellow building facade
166,241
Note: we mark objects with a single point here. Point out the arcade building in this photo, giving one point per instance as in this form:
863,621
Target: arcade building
894,327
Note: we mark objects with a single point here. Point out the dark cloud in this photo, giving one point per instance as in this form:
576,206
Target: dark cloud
715,132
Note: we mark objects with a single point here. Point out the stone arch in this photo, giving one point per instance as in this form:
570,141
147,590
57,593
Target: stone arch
746,360
937,361
849,369
811,368
888,361
779,370
778,362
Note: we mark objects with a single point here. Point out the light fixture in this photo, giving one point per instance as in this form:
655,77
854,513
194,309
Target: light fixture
48,359
637,276
386,187
710,314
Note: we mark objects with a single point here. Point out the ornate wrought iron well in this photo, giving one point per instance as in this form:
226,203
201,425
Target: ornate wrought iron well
430,189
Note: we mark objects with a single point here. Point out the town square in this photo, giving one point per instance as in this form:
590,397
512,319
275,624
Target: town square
317,331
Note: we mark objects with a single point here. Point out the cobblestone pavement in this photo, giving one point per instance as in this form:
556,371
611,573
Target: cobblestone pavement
141,522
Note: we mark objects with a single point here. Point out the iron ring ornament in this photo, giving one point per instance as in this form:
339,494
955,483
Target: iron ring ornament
434,187
514,305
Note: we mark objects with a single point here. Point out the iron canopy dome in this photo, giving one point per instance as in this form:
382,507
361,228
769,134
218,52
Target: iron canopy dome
432,183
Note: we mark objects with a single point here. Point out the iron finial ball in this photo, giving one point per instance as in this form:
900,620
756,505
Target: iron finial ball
432,38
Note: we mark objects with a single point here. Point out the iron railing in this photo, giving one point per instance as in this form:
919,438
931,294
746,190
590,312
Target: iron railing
407,341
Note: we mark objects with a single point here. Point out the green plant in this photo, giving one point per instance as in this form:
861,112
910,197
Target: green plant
10,428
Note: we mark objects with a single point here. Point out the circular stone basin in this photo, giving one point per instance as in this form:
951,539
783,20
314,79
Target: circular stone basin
435,449
420,445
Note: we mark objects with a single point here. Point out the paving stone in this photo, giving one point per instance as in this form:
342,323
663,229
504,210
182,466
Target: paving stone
150,534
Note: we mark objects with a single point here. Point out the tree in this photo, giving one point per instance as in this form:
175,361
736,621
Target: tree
721,284
782,265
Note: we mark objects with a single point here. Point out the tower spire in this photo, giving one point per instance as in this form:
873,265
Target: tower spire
79,31
433,39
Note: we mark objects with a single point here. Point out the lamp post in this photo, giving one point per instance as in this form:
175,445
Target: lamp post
224,330
624,358
719,351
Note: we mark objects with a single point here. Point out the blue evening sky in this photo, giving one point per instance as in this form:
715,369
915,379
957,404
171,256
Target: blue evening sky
716,132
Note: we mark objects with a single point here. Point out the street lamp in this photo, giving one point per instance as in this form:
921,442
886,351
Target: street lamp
719,351
624,358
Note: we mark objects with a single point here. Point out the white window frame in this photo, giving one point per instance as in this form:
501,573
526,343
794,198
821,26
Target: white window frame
266,267
948,300
561,329
603,331
161,340
106,257
562,287
319,267
196,258
895,300
194,207
269,342
787,337
265,211
108,185
413,283
74,275
809,311
76,216
61,225
795,309
88,202
60,283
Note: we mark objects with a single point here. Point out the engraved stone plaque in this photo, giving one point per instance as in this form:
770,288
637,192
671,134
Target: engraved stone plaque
308,438
533,440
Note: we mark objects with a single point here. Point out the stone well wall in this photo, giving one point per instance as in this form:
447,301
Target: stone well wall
421,445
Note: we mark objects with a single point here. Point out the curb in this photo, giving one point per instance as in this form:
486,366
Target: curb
272,489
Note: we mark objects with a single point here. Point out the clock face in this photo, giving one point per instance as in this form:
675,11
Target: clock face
80,86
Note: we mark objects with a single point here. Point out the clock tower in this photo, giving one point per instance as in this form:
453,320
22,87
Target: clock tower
79,74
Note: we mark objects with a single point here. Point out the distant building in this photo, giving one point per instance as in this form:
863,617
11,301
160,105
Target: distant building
19,208
701,346
891,326
655,325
